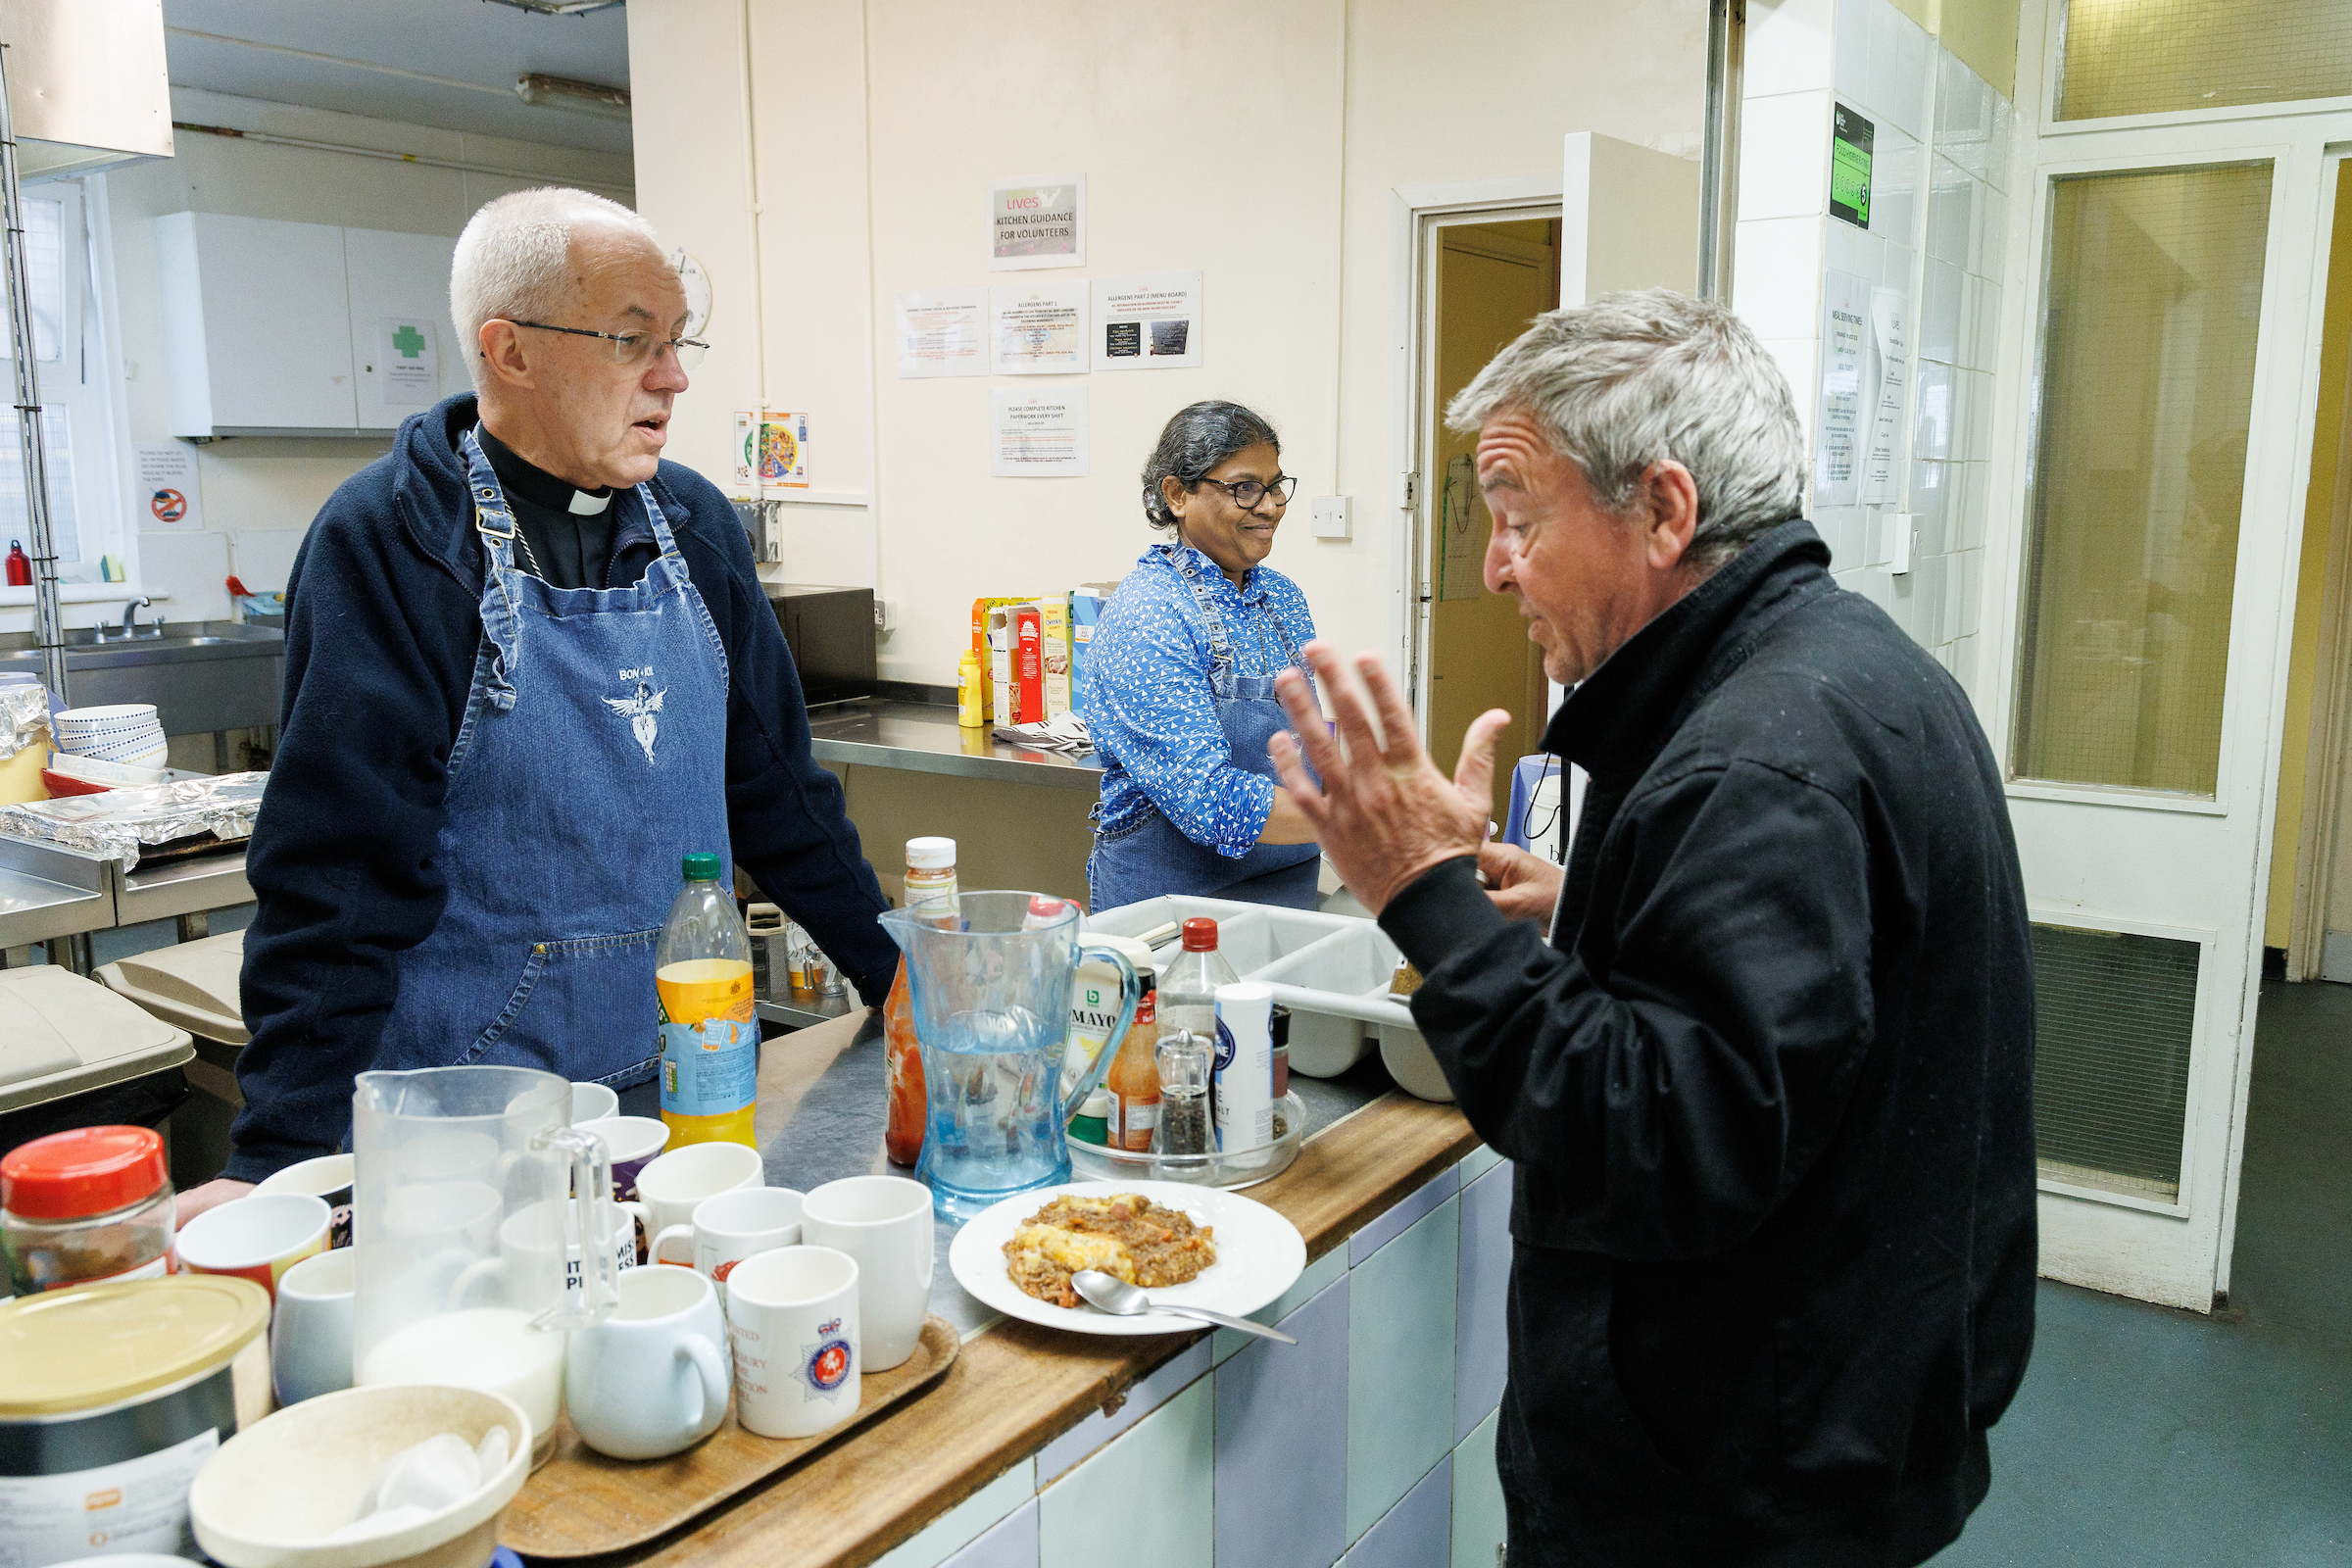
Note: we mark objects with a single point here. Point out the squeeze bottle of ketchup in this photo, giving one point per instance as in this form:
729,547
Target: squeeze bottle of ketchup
930,887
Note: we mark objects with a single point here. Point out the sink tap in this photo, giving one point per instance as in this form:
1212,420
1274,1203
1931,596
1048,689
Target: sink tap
130,617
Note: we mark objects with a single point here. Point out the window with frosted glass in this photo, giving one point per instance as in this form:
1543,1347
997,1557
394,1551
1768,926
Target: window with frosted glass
2113,1016
2147,57
2150,311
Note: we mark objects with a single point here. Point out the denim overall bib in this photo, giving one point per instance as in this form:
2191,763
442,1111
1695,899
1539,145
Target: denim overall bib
591,759
1150,856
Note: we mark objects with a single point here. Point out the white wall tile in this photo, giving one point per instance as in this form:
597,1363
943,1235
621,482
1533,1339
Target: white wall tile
1876,585
1788,46
1978,442
1402,1215
1900,63
1851,72
1896,160
1152,1494
1932,428
1776,276
1841,528
1478,1516
1796,358
1963,113
1988,250
1894,272
1968,506
1951,211
1478,1162
1848,249
1784,156
1931,490
966,1522
1996,155
1401,1318
1011,1543
1144,1396
1929,575
1939,312
1322,1273
1972,592
1988,324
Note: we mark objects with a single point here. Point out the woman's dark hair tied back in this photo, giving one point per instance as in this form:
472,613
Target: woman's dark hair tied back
1197,440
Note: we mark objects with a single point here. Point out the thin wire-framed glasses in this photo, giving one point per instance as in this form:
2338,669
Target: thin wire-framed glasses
1248,493
631,347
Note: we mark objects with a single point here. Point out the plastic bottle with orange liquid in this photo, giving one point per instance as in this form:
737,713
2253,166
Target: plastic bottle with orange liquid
709,1034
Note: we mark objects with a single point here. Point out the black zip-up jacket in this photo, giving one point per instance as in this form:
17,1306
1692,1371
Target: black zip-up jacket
1769,1093
383,628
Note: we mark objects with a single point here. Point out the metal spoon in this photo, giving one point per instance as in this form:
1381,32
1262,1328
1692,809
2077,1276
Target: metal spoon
1110,1294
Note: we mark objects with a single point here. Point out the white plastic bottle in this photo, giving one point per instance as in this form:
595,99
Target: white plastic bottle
1244,1066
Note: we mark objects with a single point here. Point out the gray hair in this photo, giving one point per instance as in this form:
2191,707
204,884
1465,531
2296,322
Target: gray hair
1200,436
509,262
1635,378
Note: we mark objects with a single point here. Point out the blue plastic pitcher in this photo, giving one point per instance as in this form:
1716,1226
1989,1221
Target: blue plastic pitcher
992,1010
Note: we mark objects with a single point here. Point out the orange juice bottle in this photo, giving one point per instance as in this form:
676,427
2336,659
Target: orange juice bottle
709,1035
930,885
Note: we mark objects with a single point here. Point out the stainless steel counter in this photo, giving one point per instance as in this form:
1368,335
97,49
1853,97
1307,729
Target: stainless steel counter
48,892
924,738
822,1108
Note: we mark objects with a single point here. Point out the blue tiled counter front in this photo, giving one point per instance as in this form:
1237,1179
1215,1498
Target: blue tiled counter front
1369,1443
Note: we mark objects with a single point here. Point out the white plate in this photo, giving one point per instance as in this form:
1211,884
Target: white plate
1259,1256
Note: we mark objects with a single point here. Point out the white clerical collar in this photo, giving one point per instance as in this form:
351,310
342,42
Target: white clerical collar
584,505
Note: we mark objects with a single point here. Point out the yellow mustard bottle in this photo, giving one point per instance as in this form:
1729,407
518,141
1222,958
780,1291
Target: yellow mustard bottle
709,1032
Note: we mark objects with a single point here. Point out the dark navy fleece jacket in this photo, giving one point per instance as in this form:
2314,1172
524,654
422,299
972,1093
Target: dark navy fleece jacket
381,633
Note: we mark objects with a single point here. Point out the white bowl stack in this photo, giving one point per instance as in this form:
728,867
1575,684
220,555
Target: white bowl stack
125,734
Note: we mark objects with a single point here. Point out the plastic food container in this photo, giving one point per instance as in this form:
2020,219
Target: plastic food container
84,1207
1247,1167
112,1398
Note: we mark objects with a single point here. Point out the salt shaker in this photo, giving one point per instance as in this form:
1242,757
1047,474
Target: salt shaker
1184,1088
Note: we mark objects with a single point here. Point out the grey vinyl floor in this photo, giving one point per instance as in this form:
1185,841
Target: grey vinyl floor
2145,1438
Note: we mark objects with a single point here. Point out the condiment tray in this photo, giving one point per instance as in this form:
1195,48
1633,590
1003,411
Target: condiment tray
1247,1167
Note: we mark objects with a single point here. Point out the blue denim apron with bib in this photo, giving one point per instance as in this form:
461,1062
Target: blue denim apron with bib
592,757
1150,856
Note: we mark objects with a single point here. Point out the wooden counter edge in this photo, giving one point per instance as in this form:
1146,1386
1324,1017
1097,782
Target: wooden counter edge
1018,1387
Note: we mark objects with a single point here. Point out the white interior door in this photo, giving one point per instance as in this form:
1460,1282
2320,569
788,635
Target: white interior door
2138,702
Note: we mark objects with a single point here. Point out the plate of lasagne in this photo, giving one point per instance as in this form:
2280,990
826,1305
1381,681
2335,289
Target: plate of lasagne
1192,1244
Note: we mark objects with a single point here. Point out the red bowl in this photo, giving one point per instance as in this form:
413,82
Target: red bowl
63,784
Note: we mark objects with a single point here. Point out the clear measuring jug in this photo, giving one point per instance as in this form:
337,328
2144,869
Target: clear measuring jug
991,1012
471,1191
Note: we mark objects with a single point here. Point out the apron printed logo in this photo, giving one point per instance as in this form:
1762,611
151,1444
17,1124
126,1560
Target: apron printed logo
826,1365
640,706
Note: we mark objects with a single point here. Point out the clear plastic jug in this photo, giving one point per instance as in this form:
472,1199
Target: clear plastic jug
991,1012
458,1274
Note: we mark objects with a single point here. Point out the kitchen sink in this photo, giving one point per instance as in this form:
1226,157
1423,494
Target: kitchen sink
201,676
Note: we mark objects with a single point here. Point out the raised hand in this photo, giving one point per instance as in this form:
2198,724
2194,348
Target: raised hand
1383,813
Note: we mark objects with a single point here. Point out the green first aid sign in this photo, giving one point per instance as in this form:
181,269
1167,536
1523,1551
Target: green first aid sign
1850,167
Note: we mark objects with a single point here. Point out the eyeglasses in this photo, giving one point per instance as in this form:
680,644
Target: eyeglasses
1248,493
631,347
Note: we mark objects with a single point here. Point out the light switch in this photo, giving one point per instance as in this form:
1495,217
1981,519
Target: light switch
1905,524
1330,517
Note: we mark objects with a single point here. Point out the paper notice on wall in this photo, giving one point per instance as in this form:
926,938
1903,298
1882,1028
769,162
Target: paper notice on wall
169,497
1037,222
1147,321
1890,308
408,360
943,332
771,452
1464,528
1845,354
1036,436
1038,330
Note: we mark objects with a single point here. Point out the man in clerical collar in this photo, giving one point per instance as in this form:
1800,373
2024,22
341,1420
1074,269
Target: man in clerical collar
529,669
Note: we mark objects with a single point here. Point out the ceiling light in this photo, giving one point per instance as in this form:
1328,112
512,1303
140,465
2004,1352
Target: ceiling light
559,8
581,97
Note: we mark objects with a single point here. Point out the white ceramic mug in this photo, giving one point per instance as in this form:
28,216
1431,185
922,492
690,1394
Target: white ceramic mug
651,1378
593,1101
529,1235
329,1176
731,1227
671,1185
633,1142
257,1238
884,1222
310,1335
792,1317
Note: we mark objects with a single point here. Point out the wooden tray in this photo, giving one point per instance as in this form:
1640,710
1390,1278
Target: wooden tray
583,1504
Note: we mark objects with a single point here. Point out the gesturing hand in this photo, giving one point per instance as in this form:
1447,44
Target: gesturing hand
1384,813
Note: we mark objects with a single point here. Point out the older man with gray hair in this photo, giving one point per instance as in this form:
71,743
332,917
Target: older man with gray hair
529,669
1767,1087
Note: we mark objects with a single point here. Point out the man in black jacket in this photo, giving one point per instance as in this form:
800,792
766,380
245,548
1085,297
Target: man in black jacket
1768,1088
528,668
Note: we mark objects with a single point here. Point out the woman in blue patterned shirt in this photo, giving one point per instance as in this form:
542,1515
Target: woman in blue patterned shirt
1180,680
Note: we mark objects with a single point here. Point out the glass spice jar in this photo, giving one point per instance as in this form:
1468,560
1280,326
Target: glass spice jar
77,1208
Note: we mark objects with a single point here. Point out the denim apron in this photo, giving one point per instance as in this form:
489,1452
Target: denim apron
592,757
1150,856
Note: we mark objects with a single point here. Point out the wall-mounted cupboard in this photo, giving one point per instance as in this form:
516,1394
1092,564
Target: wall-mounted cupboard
280,329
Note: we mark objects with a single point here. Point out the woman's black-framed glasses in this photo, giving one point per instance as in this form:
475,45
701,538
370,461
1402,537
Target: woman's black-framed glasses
1248,493
631,348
